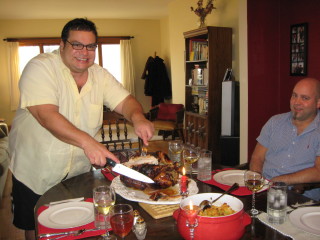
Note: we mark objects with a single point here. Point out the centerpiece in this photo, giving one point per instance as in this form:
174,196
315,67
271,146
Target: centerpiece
202,12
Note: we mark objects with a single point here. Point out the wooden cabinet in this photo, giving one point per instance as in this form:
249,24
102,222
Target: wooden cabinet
208,54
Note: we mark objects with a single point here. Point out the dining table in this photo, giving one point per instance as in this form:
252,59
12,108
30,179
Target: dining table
163,228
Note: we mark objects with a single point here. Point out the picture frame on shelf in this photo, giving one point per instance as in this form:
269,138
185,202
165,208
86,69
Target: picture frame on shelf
298,49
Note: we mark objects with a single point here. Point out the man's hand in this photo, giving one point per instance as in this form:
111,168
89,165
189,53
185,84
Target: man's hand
97,153
144,129
132,110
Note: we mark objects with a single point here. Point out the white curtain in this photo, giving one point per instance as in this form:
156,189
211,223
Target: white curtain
14,75
127,70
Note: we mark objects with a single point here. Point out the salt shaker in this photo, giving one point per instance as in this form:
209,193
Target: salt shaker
136,215
140,228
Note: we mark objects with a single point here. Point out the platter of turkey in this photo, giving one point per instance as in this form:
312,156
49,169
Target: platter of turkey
165,174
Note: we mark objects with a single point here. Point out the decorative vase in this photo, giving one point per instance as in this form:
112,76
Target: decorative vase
202,21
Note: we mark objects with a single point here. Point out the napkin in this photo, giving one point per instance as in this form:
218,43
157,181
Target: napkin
42,229
241,191
108,174
287,229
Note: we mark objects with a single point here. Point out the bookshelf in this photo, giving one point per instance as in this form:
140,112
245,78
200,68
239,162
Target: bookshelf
208,53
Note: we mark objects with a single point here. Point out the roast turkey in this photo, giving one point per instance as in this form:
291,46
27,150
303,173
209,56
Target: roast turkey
158,167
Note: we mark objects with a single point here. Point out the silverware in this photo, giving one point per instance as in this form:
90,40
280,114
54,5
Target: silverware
65,201
144,151
70,233
207,204
128,172
304,205
110,171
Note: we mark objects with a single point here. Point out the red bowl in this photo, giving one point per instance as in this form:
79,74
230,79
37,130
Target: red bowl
229,227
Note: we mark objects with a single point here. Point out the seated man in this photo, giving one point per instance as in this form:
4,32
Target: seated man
288,148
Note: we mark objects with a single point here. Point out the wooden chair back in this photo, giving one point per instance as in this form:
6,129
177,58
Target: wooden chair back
116,135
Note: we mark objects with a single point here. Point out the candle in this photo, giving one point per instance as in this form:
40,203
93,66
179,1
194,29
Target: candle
191,212
183,181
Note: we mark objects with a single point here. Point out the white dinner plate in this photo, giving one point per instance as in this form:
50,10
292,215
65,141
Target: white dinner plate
306,219
67,215
229,177
139,196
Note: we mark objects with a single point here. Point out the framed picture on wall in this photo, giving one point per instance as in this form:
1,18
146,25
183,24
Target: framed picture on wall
298,49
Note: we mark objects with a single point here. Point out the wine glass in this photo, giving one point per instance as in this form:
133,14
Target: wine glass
103,198
254,181
190,155
121,219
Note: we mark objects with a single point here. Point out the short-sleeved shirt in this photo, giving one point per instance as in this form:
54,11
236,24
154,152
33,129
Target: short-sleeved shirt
38,159
287,151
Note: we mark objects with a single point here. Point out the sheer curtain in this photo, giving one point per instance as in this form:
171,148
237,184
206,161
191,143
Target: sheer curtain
14,75
127,70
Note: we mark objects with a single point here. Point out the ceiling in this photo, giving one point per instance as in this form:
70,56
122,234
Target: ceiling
68,9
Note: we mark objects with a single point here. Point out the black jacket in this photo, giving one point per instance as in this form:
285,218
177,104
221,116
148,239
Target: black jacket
157,82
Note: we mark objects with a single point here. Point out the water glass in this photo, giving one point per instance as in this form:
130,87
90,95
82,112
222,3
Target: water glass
103,198
277,202
175,149
205,165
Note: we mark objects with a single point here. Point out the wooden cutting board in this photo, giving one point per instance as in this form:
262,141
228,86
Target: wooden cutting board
159,211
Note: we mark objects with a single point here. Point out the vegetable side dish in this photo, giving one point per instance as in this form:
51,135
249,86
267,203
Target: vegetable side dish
215,211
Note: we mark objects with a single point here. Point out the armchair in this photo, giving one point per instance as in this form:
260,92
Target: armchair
168,119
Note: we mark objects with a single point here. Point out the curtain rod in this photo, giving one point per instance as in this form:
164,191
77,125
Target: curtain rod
26,39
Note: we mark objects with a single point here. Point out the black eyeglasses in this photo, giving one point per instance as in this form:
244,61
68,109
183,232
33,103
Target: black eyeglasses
80,46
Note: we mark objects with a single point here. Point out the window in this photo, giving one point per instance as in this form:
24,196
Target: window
107,53
111,59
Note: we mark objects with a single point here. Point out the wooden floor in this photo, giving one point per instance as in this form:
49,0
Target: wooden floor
10,232
7,230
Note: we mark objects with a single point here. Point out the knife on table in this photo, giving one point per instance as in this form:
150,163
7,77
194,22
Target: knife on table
128,172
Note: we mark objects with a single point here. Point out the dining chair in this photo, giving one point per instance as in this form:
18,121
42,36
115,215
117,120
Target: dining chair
117,134
168,119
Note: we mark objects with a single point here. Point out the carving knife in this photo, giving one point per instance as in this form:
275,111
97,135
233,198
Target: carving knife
128,172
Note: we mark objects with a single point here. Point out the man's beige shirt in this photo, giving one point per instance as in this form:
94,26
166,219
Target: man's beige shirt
38,159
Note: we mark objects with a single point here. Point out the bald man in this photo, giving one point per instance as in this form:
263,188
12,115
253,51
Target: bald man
288,148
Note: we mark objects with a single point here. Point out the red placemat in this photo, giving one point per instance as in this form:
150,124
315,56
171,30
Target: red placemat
108,174
241,191
42,229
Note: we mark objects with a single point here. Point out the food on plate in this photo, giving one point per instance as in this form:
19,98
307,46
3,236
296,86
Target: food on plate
217,211
158,167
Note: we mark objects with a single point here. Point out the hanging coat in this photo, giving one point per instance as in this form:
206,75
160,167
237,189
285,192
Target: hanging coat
157,83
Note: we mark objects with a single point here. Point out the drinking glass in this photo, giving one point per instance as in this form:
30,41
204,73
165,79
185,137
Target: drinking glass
103,198
190,155
121,219
254,181
277,202
175,148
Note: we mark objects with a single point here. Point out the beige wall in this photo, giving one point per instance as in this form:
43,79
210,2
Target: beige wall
227,14
147,40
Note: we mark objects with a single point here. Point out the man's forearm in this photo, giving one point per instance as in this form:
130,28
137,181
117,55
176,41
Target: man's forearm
131,109
307,175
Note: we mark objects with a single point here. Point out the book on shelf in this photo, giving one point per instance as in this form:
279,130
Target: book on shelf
198,49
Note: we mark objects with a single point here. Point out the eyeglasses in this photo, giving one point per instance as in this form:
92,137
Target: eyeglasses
80,46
